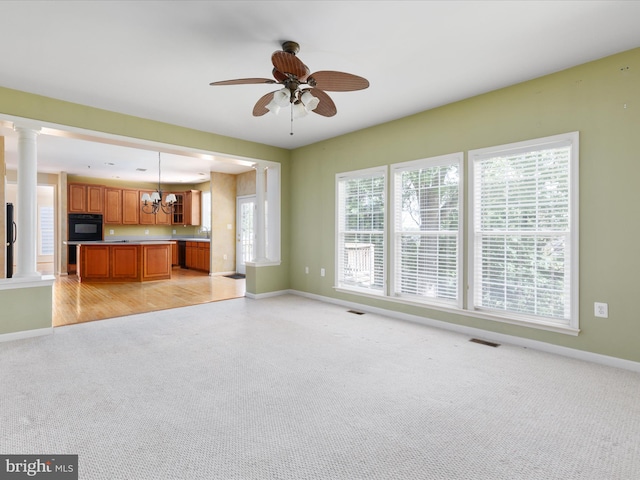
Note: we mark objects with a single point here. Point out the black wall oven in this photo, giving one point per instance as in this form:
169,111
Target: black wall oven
83,227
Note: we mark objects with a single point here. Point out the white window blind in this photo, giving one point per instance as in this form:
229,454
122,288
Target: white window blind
426,205
46,232
206,211
361,230
524,224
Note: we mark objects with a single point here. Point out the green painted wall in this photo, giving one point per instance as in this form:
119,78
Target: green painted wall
25,309
600,99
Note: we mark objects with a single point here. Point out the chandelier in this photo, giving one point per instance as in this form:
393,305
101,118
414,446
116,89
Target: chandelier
153,203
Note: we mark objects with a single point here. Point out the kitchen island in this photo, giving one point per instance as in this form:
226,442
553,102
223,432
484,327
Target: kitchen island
124,261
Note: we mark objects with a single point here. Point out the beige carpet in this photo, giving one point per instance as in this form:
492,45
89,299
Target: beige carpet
291,388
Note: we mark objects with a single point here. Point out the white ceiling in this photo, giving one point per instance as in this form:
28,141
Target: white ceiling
155,59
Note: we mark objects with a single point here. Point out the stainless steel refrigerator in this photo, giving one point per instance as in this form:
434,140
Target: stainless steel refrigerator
12,234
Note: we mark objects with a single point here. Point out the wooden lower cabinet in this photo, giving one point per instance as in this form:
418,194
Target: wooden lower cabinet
198,256
124,263
175,259
93,262
156,262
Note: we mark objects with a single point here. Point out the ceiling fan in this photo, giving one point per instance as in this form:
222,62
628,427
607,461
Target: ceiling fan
303,90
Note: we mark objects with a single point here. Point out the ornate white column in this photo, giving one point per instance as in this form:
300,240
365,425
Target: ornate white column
27,218
260,215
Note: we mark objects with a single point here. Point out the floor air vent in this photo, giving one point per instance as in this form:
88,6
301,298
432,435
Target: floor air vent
355,312
484,342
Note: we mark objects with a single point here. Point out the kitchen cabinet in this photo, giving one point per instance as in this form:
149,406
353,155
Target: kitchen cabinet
159,218
84,198
156,262
186,210
124,262
191,253
204,256
130,207
113,205
198,255
121,206
175,259
93,262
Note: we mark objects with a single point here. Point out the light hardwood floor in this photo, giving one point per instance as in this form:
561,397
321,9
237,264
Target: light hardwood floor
74,302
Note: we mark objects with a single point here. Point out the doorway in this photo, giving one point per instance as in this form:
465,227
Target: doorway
45,243
245,231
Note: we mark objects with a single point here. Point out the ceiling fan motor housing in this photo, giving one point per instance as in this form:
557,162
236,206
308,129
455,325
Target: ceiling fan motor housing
290,47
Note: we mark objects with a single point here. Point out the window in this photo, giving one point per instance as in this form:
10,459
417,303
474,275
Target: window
361,224
45,232
521,259
426,230
206,211
524,230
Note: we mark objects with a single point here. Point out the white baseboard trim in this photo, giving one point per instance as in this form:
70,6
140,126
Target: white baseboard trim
258,296
36,332
478,333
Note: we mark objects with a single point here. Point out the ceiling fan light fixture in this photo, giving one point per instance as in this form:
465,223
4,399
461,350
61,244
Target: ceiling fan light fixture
273,107
299,110
282,97
310,102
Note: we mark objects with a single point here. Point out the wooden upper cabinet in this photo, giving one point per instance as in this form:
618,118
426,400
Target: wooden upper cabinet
130,207
187,208
113,205
77,201
95,197
160,218
85,198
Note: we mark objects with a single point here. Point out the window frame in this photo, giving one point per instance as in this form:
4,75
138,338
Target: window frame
568,139
352,175
396,171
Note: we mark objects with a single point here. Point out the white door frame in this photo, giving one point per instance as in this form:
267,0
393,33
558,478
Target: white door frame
241,243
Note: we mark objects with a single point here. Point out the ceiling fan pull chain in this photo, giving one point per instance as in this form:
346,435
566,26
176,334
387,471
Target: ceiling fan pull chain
291,119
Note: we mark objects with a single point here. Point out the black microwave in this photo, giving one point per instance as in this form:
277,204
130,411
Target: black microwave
85,227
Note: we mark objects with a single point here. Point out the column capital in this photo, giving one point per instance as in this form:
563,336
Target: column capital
26,128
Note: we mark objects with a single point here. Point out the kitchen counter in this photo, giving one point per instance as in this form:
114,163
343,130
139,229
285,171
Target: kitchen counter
124,261
123,242
139,241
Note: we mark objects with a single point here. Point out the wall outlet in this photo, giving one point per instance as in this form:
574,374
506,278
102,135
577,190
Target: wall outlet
322,272
224,257
146,232
110,232
306,270
174,231
601,310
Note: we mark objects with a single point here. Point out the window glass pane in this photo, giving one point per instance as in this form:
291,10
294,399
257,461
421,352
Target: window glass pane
361,225
426,206
522,232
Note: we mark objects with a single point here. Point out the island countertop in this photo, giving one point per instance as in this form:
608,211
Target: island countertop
121,242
